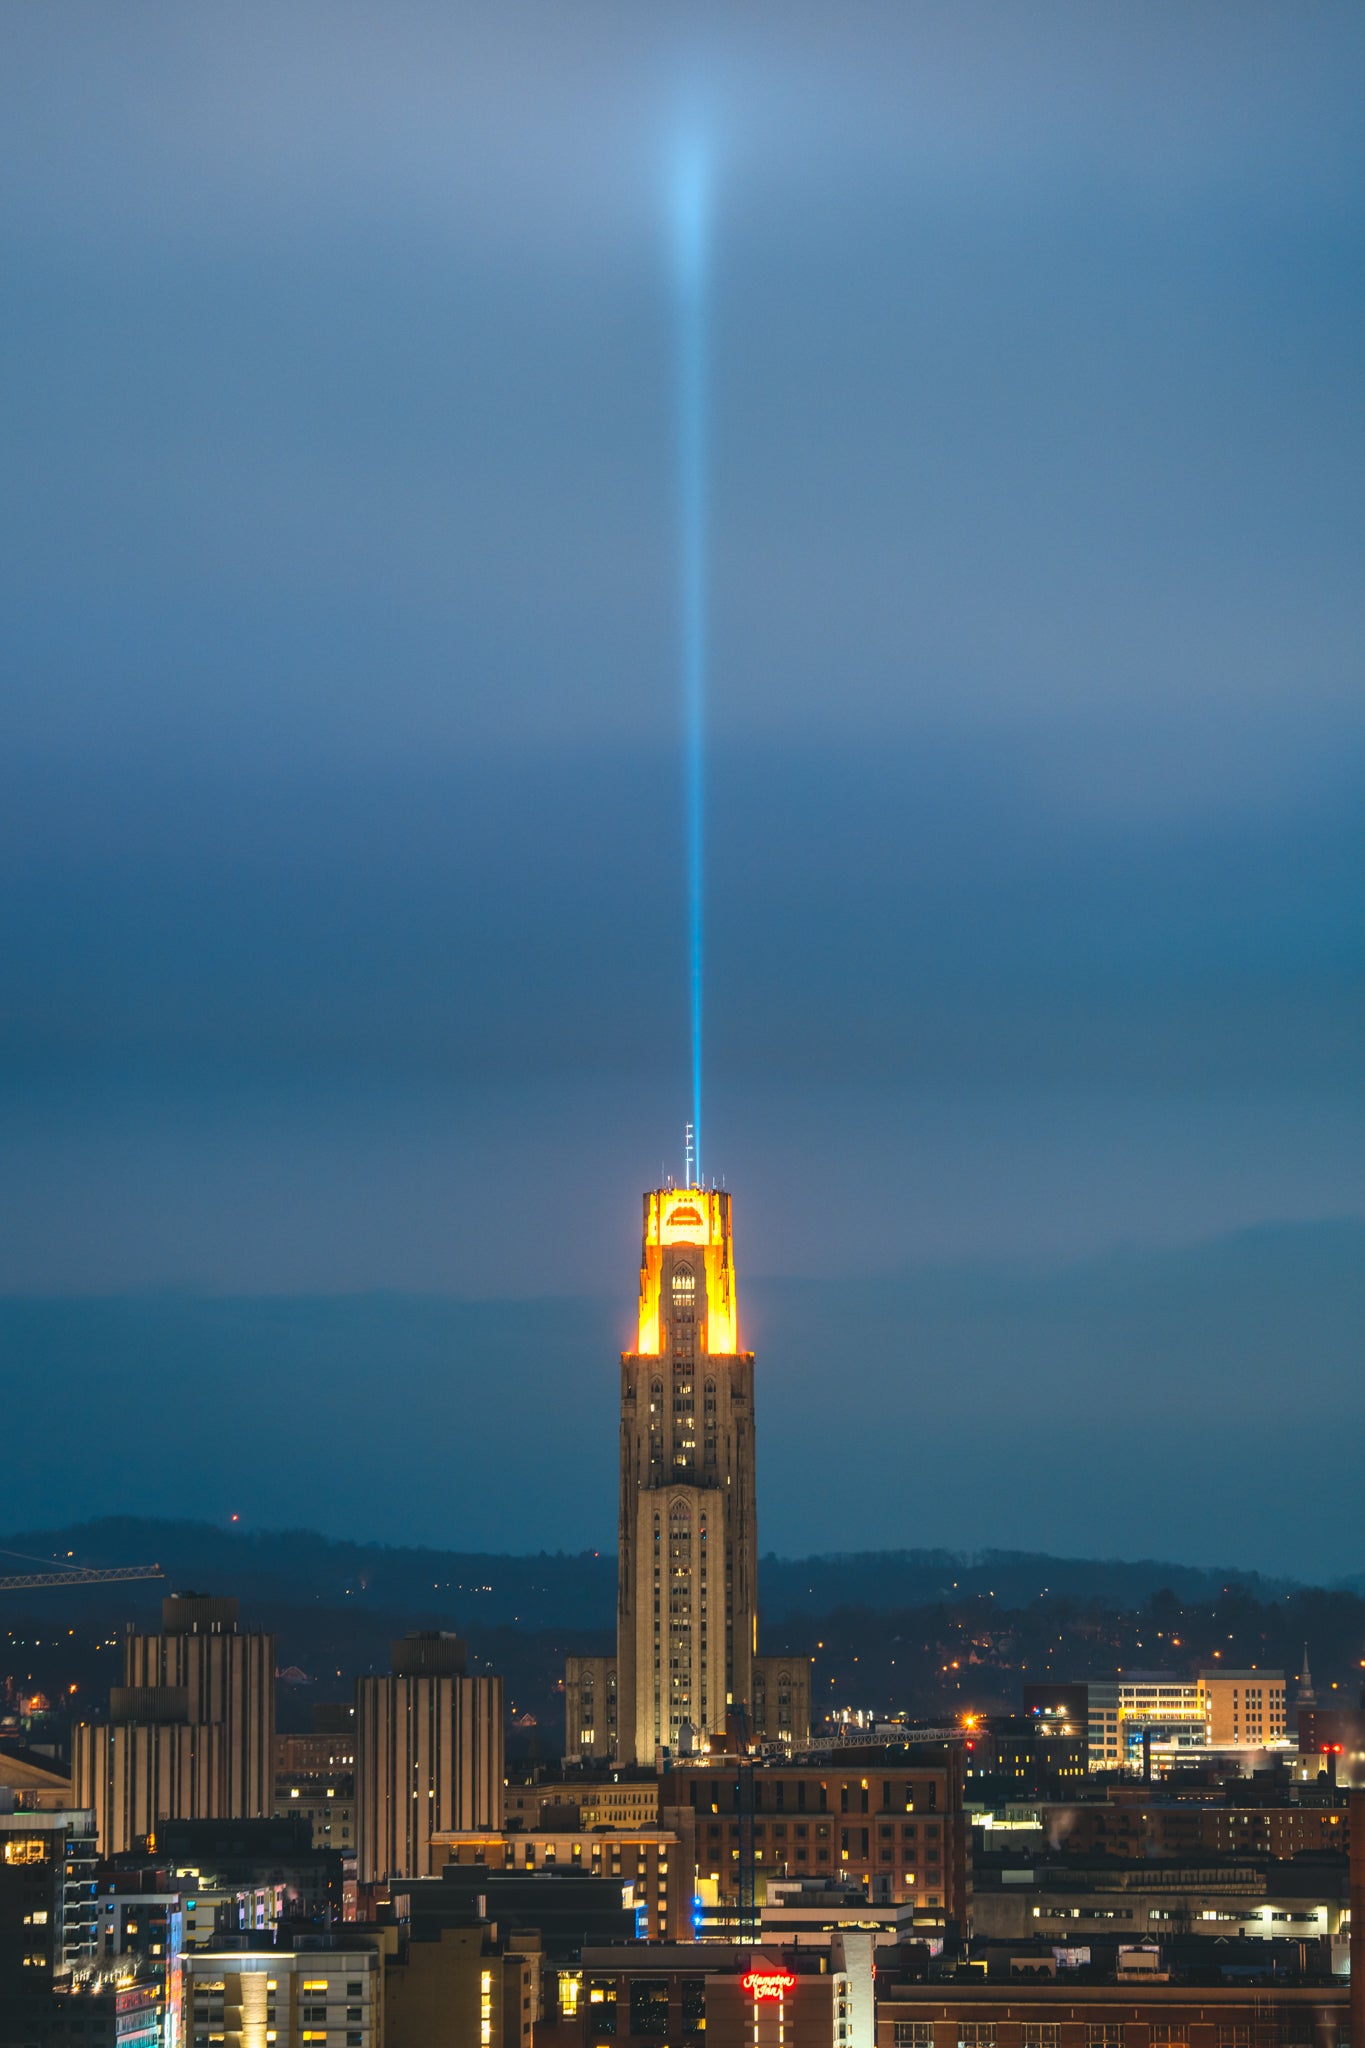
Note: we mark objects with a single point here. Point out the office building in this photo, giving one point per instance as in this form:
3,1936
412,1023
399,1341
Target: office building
428,1756
1155,1719
1245,1709
687,1536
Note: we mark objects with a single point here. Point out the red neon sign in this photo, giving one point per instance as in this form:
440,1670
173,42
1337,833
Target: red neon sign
768,1983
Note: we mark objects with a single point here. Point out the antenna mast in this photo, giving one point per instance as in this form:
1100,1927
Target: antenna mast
689,1149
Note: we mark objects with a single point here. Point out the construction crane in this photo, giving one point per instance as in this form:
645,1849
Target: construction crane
73,1574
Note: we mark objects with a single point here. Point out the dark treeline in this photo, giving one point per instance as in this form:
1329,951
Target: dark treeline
578,1589
890,1631
950,1655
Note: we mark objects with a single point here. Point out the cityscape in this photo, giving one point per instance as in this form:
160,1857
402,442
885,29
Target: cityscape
682,1275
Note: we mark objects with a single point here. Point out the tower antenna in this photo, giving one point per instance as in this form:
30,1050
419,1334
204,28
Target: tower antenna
689,1151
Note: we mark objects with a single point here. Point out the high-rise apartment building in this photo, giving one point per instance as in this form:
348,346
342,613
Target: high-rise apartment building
687,1562
229,1683
191,1731
428,1757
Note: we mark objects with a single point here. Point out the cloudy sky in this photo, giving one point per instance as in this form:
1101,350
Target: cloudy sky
342,943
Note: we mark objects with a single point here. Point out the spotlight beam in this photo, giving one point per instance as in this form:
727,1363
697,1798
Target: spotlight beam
691,263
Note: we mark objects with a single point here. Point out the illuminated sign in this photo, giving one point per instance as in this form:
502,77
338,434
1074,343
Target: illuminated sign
767,1983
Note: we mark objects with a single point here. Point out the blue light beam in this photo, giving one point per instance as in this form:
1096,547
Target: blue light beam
691,270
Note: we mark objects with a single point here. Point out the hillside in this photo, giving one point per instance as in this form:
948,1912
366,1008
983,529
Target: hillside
482,1589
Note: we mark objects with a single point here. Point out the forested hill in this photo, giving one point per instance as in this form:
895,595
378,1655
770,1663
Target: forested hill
922,1632
578,1590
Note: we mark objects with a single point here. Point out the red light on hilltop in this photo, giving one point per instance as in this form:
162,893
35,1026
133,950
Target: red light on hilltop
767,1983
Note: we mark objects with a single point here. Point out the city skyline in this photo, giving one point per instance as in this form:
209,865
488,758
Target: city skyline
682,1154
346,893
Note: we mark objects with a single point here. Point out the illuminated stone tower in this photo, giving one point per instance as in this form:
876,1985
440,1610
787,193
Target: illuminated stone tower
687,1560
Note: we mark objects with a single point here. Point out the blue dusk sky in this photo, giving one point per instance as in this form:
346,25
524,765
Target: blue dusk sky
344,940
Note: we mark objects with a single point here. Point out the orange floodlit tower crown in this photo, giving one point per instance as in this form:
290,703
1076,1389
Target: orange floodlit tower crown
693,1222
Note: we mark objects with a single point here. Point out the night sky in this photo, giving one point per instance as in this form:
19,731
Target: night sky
342,931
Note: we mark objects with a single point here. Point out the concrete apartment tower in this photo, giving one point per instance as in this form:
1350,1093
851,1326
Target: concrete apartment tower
428,1757
228,1678
191,1731
687,1569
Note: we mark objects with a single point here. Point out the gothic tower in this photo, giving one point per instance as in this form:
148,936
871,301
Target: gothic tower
687,1561
687,1557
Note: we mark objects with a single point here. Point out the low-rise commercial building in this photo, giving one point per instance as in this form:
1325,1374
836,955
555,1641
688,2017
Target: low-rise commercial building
1074,1900
314,1996
32,1780
1154,1827
1062,2014
817,1994
658,1865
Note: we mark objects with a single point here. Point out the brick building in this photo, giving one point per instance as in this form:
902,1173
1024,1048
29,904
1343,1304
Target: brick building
893,1820
1063,2015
